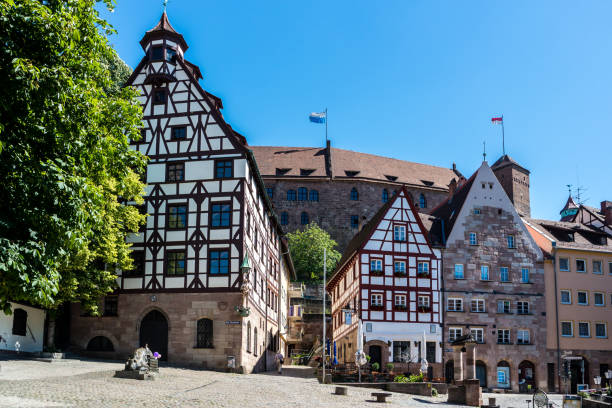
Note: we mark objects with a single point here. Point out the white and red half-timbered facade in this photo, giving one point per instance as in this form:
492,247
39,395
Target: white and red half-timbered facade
211,271
389,278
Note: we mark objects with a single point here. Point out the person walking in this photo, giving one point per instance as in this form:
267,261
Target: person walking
279,358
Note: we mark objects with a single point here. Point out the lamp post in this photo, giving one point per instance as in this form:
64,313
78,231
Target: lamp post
597,380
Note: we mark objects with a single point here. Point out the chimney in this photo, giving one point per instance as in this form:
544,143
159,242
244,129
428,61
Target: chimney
606,210
452,187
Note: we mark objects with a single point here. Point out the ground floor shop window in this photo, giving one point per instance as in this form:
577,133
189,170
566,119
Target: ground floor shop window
401,351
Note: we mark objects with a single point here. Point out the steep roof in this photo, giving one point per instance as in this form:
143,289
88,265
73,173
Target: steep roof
572,235
161,30
506,160
283,161
569,211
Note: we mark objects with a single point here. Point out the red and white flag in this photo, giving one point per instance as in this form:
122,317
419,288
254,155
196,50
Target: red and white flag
498,121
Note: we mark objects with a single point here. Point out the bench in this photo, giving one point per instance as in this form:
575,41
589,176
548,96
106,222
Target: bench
341,390
381,396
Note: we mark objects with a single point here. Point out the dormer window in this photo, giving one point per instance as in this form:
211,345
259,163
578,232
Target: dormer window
170,54
157,53
351,173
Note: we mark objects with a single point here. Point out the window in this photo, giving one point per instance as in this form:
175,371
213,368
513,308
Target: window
175,172
204,334
385,195
477,335
291,195
473,238
478,306
524,275
304,219
100,343
177,216
423,303
255,341
422,201
284,218
302,194
459,271
376,265
270,192
377,299
510,241
610,268
583,298
522,307
401,351
423,268
580,265
564,264
584,329
567,329
221,215
484,273
354,221
503,306
504,276
503,336
454,333
20,321
157,53
224,169
218,262
600,330
598,298
159,96
399,233
170,54
522,337
454,305
179,133
400,300
314,195
138,260
249,336
110,305
597,267
476,211
399,267
354,194
175,263
566,297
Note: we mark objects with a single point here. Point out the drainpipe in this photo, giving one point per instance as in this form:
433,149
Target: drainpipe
442,295
554,263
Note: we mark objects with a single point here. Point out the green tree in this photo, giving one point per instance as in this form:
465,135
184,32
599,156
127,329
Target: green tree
65,163
306,249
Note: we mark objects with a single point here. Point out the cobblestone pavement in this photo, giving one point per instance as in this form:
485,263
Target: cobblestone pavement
77,383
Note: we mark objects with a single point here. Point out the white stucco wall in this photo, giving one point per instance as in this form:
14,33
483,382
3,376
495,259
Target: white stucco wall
33,340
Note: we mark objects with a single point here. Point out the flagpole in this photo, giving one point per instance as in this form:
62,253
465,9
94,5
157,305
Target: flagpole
503,137
324,289
326,126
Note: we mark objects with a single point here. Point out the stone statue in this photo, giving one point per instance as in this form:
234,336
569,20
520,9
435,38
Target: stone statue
140,360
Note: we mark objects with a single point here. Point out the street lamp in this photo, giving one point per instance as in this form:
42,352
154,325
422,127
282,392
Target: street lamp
597,380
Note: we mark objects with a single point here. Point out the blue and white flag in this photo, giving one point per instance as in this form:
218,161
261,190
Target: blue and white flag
318,117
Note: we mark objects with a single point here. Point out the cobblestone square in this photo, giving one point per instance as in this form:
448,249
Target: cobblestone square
80,383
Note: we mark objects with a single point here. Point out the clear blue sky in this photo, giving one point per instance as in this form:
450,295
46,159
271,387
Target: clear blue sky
413,80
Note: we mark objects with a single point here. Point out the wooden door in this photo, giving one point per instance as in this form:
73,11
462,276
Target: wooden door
376,355
154,332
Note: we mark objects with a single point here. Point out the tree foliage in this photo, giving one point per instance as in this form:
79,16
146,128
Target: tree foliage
65,162
306,249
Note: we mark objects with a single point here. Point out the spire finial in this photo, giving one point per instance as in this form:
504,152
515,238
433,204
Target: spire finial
484,150
165,3
569,187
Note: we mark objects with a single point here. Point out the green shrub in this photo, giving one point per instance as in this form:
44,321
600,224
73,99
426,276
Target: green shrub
583,394
434,392
375,366
415,378
390,367
400,379
368,358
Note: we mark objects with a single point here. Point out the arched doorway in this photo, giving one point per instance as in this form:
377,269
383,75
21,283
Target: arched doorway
526,376
376,355
578,371
481,373
503,374
154,332
449,371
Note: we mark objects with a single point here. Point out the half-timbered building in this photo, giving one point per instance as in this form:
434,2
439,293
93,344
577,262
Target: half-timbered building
211,272
389,278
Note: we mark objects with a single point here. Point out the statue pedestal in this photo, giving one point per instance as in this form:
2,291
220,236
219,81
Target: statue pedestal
135,375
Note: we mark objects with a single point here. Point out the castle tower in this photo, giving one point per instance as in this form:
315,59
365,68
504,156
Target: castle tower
514,178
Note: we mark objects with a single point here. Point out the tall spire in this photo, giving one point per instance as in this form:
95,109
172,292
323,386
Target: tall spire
162,30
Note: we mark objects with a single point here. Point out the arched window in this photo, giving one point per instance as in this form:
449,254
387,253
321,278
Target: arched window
204,333
290,195
271,341
302,194
305,219
100,343
314,195
20,320
284,218
255,341
354,194
422,201
385,195
248,337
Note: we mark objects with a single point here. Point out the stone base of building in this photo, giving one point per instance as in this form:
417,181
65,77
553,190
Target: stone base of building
232,348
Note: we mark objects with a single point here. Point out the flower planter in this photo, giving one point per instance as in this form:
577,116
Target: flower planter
376,273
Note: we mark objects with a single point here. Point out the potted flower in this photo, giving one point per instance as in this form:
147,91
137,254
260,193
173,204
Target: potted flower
377,272
402,308
243,311
423,309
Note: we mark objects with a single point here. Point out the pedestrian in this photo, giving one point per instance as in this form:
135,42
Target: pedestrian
279,361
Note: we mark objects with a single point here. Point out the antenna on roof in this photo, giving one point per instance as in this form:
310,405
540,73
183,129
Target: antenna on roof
569,187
